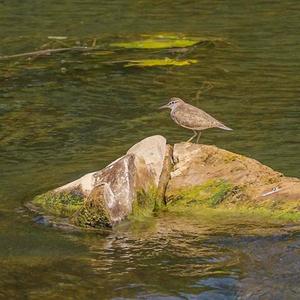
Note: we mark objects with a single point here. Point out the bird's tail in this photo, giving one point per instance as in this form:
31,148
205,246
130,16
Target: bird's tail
222,126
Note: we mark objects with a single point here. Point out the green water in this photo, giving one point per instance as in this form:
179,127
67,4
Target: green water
68,114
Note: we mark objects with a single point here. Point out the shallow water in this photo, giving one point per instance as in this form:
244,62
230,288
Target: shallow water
57,124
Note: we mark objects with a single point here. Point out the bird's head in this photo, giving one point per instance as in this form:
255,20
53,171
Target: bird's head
173,103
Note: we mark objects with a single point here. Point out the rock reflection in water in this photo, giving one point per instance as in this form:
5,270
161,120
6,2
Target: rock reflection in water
184,258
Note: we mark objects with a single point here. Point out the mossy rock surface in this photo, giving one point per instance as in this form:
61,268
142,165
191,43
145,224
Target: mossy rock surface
94,212
92,216
146,203
62,204
211,194
222,197
196,179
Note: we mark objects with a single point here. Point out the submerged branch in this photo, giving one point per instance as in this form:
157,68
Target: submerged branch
49,52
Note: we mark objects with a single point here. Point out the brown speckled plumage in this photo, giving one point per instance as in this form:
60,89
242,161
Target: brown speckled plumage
192,118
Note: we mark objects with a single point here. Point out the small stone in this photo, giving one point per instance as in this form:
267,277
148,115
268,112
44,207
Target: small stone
63,70
43,220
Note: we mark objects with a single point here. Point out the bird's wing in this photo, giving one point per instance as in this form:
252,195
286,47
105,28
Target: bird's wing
194,118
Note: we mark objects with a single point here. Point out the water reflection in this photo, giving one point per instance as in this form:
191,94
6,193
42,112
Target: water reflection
168,256
66,115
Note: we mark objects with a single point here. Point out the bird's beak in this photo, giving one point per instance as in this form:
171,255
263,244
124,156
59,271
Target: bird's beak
164,106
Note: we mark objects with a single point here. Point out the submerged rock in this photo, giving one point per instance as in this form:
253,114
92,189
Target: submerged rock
188,177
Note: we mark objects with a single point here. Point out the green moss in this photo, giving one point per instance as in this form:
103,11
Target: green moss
94,212
222,198
146,203
59,204
211,194
289,210
243,213
92,216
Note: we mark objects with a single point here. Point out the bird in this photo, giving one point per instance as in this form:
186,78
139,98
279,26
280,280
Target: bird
191,117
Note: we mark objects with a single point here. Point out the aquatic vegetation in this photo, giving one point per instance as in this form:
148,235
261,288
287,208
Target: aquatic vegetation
59,204
239,212
217,197
157,43
164,41
99,46
211,194
145,206
90,215
146,203
160,62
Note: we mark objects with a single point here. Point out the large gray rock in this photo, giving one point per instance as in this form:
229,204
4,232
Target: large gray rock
114,190
108,194
84,185
152,150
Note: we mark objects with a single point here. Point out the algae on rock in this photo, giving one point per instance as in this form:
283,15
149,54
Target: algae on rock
107,196
146,203
62,204
222,199
205,176
94,212
187,179
211,193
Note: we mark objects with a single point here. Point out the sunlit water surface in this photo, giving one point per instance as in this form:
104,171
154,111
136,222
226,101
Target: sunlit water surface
68,114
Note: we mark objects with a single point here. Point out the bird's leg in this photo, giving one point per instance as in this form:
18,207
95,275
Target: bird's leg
198,137
195,134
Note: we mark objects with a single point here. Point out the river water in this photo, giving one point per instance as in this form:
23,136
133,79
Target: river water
69,114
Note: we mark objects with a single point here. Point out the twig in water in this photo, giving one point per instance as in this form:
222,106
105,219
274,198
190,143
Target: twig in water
49,52
94,42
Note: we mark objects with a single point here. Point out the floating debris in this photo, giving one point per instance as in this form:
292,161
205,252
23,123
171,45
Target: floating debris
52,37
158,42
165,42
98,53
160,62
